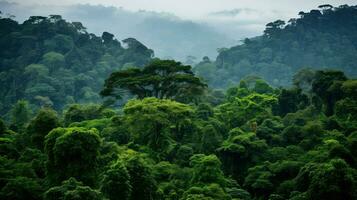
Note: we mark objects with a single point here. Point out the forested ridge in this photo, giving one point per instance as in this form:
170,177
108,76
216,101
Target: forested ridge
324,38
88,117
48,60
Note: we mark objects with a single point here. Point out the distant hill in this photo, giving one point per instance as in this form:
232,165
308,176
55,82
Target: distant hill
169,35
325,38
48,60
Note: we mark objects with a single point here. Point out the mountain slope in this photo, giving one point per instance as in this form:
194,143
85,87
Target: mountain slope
48,60
319,39
169,35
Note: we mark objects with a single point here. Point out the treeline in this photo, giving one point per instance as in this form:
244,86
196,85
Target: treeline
320,39
50,61
255,142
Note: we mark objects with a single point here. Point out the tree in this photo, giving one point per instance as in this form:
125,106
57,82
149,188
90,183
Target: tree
327,85
82,112
41,125
207,169
346,109
72,152
160,79
243,148
79,26
183,155
71,189
269,130
292,134
204,111
20,115
141,179
290,101
274,27
349,89
157,122
3,127
332,180
303,79
258,181
21,188
210,140
325,6
136,52
34,71
107,37
206,192
262,87
116,182
116,131
240,110
53,60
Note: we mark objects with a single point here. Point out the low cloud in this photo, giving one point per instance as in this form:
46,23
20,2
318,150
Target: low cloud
167,34
233,12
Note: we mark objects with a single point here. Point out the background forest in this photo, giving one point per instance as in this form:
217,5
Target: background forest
319,39
91,117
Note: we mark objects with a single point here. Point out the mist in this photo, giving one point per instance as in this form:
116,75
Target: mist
168,35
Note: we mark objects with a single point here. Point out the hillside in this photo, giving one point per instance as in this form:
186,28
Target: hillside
169,35
48,60
320,39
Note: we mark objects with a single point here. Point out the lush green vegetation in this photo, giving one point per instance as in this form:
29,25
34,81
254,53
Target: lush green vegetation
319,39
173,137
257,143
47,60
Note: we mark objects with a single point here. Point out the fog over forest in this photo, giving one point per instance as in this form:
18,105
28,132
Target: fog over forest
169,35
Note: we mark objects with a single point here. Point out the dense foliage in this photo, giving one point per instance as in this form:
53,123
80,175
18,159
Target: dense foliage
257,143
254,142
50,61
319,39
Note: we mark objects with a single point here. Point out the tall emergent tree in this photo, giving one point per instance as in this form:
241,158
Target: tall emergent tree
163,79
72,152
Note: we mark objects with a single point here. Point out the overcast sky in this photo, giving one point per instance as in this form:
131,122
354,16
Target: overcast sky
200,8
255,13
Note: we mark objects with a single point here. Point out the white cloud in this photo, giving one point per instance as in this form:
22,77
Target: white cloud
253,14
199,8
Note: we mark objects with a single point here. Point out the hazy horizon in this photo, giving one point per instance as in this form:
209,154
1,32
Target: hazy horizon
162,25
187,9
